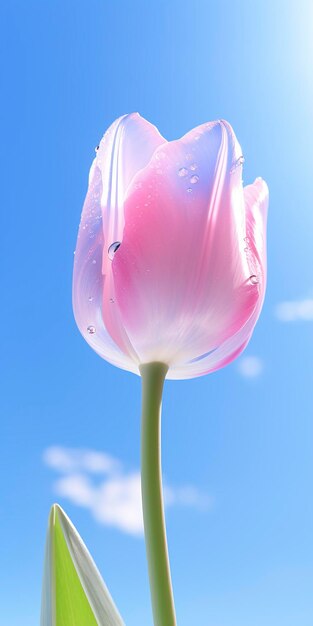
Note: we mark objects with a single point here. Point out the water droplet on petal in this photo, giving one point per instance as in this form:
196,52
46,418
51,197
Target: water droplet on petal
113,248
254,279
246,239
112,300
94,261
97,148
182,172
91,330
90,299
194,179
193,166
240,161
189,190
246,249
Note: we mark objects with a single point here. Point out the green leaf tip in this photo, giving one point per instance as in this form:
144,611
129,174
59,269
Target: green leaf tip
73,592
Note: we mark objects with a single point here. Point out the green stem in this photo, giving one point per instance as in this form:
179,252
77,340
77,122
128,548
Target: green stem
153,375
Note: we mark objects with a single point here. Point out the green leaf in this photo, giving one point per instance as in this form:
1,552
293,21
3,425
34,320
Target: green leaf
73,593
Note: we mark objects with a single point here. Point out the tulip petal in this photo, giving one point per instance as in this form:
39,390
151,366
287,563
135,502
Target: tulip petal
181,277
126,148
74,593
256,204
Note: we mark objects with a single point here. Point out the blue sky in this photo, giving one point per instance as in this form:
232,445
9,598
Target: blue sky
237,445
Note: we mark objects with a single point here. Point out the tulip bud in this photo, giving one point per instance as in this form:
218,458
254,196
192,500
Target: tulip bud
170,264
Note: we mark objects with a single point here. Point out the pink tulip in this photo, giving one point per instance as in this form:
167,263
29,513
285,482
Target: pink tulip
170,263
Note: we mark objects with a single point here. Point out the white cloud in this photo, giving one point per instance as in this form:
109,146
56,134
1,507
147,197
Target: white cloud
119,503
186,496
295,310
250,366
114,502
76,460
116,499
76,488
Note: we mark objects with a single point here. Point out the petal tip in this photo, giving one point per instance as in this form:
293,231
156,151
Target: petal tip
236,158
263,191
259,180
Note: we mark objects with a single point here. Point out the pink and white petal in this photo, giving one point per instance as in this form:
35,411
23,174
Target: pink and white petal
125,150
88,278
218,358
181,277
256,205
126,147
